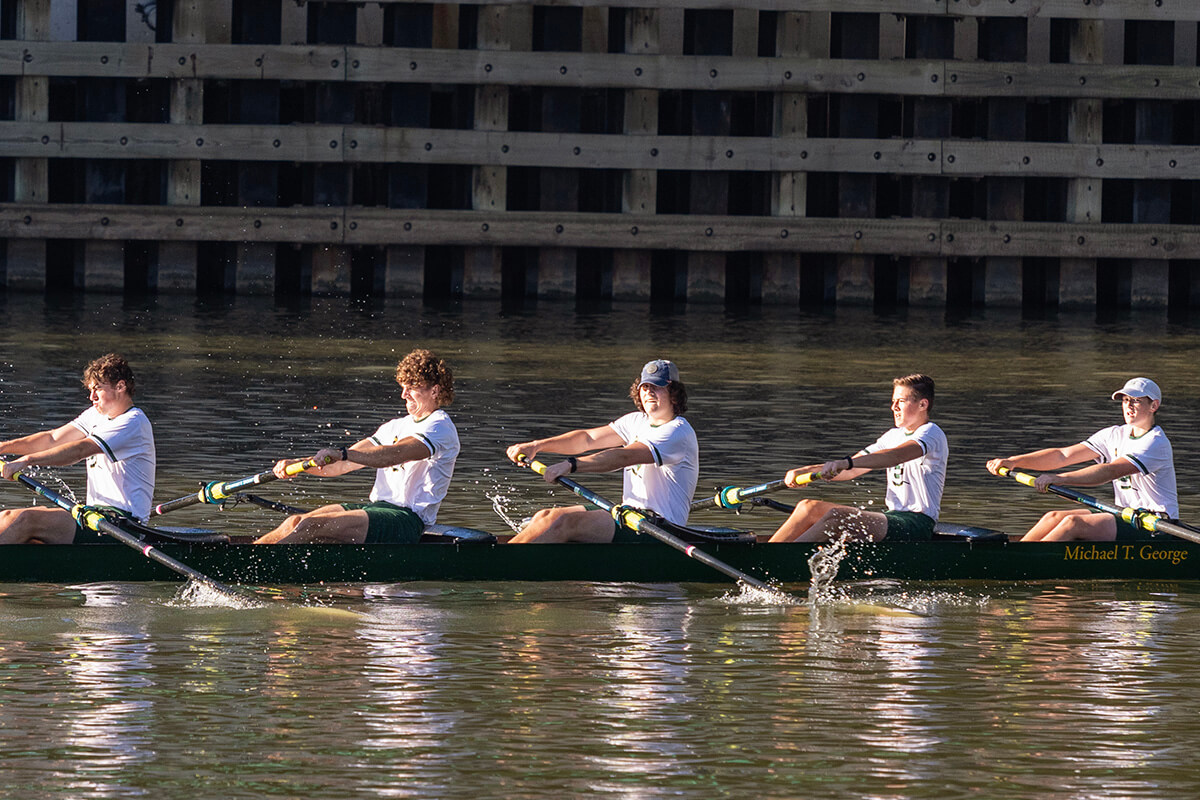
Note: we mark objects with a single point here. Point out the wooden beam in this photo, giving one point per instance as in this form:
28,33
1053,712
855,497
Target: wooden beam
380,226
633,70
1183,10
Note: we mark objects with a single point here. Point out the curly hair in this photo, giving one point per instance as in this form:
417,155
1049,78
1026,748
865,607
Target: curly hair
109,368
675,390
423,368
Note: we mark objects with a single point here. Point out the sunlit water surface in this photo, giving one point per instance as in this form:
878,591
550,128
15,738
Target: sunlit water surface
565,690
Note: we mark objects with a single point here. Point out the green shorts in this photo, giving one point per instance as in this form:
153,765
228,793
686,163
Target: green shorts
908,526
88,536
388,523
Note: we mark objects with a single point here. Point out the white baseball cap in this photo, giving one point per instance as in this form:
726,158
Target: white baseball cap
1139,387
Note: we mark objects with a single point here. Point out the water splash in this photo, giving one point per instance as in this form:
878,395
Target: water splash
514,509
50,478
747,595
823,568
499,506
198,594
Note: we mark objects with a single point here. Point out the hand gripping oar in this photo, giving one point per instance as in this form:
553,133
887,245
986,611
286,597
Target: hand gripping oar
218,492
635,520
92,519
733,496
1139,518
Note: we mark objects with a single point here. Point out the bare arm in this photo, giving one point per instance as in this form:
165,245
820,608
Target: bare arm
43,440
569,443
839,469
1051,458
605,461
60,455
1093,475
363,453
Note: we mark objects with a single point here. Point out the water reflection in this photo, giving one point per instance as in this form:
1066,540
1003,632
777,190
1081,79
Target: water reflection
646,692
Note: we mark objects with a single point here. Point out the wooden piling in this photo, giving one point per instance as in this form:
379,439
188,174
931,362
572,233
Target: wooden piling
846,151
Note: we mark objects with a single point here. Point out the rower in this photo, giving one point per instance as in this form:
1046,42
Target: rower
655,446
115,437
414,460
914,453
1135,456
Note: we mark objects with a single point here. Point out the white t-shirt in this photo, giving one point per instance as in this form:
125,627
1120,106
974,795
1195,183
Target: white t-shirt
121,475
418,485
1152,487
666,486
916,485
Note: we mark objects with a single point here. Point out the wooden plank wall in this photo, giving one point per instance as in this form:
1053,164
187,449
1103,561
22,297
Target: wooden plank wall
1031,153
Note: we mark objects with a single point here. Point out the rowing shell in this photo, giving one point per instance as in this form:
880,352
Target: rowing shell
959,554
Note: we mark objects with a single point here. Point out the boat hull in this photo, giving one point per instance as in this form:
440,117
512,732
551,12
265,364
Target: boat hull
1161,559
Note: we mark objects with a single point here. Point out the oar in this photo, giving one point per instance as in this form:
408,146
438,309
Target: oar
218,492
92,519
733,496
1146,520
635,520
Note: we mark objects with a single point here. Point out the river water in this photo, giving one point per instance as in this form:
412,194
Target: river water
560,690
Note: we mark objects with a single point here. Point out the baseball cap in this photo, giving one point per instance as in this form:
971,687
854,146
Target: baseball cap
1139,387
659,373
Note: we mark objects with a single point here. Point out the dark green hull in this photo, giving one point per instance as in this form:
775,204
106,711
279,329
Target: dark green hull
1163,559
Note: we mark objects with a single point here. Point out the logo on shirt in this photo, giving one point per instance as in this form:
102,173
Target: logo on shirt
896,475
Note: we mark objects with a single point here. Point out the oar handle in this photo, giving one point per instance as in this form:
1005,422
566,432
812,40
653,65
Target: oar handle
218,492
1139,518
1062,491
582,491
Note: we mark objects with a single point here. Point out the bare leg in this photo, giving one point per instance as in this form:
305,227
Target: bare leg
570,524
36,524
1082,527
854,523
332,523
806,514
1049,521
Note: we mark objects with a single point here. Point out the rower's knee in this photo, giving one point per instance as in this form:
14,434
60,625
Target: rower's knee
805,508
293,522
10,527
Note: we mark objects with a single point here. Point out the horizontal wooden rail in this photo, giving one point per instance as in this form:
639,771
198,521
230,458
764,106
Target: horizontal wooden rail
342,144
903,77
379,226
1183,10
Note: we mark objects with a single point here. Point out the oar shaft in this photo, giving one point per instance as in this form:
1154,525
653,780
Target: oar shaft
635,520
89,517
219,492
733,496
1140,519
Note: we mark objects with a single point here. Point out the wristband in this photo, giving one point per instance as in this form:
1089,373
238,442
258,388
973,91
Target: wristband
345,454
574,462
849,462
